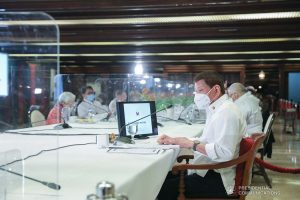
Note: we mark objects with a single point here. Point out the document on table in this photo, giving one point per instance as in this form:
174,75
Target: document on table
140,148
134,150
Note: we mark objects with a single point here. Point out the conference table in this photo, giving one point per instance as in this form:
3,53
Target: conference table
79,167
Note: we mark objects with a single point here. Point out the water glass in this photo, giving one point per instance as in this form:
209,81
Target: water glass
132,130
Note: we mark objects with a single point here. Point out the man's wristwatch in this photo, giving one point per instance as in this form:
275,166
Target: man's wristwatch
196,142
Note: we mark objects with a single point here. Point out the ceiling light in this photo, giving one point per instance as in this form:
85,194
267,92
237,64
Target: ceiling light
159,42
169,85
261,75
157,54
160,20
157,80
38,91
138,70
143,82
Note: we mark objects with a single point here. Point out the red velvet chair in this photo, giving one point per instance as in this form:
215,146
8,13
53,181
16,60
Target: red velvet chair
248,150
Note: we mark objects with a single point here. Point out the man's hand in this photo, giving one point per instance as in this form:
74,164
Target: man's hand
164,139
181,141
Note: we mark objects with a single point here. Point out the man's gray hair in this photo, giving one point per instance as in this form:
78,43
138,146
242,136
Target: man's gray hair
238,88
66,97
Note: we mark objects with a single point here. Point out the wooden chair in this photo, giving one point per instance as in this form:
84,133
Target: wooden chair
258,169
248,150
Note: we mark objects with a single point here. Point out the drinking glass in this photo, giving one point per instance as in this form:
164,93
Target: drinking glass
132,130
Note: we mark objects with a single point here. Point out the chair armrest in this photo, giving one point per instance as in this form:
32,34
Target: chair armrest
185,157
226,164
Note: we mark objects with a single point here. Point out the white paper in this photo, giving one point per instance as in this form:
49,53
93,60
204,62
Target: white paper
133,150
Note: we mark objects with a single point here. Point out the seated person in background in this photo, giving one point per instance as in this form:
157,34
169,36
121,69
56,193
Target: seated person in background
220,141
89,104
66,99
102,98
120,96
248,105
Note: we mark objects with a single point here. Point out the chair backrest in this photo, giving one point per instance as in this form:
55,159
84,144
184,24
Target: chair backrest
269,123
268,126
248,148
37,118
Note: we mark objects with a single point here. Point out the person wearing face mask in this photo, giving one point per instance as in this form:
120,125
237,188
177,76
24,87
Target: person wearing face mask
89,105
65,100
220,141
120,96
248,105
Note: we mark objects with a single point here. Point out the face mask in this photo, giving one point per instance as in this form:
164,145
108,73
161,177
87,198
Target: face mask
90,97
202,101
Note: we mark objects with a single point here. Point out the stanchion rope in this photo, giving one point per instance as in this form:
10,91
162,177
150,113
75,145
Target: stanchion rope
276,168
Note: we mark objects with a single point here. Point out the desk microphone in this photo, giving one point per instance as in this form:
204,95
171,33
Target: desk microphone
63,125
53,186
59,126
177,120
122,128
65,114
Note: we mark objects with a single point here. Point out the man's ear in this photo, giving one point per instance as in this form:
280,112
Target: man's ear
218,90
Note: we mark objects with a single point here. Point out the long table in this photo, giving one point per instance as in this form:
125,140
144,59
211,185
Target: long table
79,168
169,128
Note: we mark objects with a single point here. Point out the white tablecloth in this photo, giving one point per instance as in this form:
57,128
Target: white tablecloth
79,168
169,128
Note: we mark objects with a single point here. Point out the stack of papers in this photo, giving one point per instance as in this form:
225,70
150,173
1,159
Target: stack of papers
133,150
140,148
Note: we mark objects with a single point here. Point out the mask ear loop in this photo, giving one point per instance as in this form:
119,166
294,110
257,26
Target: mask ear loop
213,100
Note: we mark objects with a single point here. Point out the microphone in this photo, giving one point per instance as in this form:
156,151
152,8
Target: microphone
102,109
124,126
62,126
177,120
53,186
65,114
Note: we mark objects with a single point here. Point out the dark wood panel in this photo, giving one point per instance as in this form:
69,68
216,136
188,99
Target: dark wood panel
186,57
136,6
248,64
279,46
94,33
284,47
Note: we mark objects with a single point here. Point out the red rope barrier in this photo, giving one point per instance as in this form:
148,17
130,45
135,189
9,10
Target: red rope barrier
276,168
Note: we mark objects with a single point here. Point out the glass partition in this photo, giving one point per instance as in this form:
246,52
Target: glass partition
38,156
28,64
174,98
57,156
29,61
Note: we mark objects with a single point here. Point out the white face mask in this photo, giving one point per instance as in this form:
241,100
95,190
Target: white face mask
202,101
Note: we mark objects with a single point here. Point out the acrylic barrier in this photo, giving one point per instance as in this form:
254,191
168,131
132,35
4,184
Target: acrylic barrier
28,64
56,162
107,89
10,181
29,61
43,159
